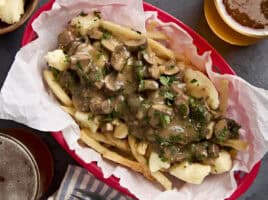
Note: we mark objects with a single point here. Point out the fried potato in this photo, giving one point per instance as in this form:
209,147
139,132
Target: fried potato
133,146
57,59
158,176
160,50
191,173
239,145
84,120
163,180
142,147
120,144
115,157
121,31
85,23
121,131
198,85
56,88
69,110
156,35
108,139
155,163
224,94
222,164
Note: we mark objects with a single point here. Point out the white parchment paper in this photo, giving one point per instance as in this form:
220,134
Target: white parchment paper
24,97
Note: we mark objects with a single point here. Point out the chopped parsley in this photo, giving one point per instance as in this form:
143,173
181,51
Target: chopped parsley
90,117
193,80
110,117
55,72
83,14
146,103
222,135
97,14
183,110
167,80
164,118
98,75
67,59
141,85
168,96
170,141
79,66
106,35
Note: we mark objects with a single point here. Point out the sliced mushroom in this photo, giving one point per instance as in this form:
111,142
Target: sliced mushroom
213,150
171,70
119,57
107,127
221,131
110,44
98,105
149,56
135,45
156,114
65,39
155,71
149,85
163,108
73,47
112,83
95,33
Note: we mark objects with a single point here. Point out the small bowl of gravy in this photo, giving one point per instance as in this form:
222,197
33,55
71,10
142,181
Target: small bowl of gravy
238,22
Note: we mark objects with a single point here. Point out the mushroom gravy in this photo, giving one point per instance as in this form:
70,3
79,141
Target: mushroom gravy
123,80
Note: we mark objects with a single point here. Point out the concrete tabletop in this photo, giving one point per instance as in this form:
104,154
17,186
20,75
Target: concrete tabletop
251,63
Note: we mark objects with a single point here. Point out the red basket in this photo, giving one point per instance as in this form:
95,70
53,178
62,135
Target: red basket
243,180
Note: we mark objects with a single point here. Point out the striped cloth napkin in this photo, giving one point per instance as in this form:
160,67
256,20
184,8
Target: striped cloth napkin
79,184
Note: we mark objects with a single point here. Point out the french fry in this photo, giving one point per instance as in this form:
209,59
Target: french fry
83,119
160,50
115,157
56,88
107,138
69,110
163,180
133,146
156,35
239,145
120,31
224,94
120,144
158,176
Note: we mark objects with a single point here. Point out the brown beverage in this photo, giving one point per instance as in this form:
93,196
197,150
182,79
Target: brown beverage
19,176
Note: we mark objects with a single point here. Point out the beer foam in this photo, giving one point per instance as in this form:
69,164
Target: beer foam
18,175
235,25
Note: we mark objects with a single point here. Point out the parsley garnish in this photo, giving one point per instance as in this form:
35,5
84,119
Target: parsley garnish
90,117
79,66
97,14
110,117
106,35
183,110
193,80
55,72
164,118
82,14
167,80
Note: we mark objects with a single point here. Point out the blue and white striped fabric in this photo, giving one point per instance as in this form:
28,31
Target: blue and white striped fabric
77,179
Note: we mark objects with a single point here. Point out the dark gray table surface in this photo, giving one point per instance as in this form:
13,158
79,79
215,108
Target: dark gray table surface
251,63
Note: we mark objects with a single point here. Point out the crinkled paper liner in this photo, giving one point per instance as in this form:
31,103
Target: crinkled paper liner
24,97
